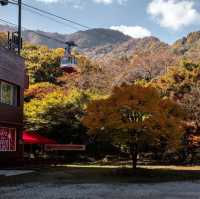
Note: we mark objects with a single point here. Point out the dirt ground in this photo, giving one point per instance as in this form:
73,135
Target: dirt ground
76,182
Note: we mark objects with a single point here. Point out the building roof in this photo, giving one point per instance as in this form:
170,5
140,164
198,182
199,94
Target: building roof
12,67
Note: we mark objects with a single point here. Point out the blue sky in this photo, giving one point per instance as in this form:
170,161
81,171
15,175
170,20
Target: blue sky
168,20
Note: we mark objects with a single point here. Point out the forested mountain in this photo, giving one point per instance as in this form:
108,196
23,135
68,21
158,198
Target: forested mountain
95,43
189,46
100,42
84,39
120,57
97,37
112,50
5,28
126,48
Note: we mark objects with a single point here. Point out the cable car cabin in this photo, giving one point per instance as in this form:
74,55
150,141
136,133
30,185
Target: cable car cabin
69,64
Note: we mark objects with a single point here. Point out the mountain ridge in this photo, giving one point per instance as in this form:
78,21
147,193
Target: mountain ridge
84,39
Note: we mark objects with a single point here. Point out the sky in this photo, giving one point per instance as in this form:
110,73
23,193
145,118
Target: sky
168,20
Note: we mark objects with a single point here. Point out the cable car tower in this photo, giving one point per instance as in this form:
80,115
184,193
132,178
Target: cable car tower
69,62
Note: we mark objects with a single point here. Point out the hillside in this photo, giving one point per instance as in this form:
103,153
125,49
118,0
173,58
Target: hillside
188,46
36,39
114,52
5,28
84,39
97,37
127,48
120,57
95,43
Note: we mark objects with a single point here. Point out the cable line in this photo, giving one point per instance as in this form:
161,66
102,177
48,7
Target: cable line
54,15
50,18
37,33
65,19
62,18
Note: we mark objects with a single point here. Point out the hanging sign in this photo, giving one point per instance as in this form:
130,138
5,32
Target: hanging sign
64,147
7,139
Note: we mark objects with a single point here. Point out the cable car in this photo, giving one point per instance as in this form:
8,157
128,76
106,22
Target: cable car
69,62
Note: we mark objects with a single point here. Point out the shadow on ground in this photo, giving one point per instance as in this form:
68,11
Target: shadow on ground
76,175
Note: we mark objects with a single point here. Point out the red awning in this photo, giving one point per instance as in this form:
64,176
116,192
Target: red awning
34,138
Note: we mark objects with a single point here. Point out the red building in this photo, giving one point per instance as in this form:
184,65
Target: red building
12,85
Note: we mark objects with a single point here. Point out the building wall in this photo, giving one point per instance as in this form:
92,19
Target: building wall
12,70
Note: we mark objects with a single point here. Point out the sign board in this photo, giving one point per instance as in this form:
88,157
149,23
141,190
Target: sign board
64,147
7,139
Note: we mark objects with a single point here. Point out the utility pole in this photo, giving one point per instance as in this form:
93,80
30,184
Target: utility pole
19,42
19,26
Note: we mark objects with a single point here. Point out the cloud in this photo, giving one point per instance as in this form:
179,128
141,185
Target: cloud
104,1
174,14
78,4
133,31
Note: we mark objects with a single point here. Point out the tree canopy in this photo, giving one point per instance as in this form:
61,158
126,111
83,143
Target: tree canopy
149,107
134,114
3,39
42,63
49,109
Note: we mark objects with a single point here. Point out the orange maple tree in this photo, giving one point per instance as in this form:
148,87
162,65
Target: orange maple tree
134,114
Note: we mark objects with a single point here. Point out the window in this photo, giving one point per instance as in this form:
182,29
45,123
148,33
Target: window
9,94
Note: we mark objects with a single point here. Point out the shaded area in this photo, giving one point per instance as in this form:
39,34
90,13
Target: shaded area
77,175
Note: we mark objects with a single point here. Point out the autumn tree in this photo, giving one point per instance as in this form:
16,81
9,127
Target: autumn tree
146,65
42,63
40,90
182,84
133,115
191,104
56,112
92,75
3,39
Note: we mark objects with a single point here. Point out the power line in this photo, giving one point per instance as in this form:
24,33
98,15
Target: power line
54,15
8,22
50,18
42,35
65,19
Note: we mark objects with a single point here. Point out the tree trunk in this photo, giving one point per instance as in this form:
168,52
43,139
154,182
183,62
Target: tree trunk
134,148
134,153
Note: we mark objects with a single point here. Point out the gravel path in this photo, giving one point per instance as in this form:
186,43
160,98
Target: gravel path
175,190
